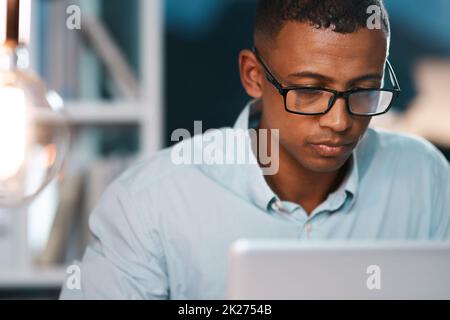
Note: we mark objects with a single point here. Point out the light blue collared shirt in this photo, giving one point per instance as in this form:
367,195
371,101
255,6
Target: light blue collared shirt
163,231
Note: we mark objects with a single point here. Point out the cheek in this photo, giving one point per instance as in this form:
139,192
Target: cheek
293,128
273,103
360,126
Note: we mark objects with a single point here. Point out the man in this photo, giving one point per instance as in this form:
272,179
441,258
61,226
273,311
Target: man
317,74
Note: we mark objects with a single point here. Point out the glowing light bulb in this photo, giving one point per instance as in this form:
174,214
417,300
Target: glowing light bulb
34,135
13,131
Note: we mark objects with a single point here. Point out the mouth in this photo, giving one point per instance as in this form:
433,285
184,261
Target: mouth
332,150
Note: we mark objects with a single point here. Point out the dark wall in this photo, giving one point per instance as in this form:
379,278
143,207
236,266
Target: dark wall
202,76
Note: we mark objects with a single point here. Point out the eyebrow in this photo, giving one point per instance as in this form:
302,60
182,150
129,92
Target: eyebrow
323,78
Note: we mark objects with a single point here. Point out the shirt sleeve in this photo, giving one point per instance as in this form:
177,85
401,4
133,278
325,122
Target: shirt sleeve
441,195
125,260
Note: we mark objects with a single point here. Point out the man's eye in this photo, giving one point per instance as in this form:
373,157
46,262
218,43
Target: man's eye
368,87
311,92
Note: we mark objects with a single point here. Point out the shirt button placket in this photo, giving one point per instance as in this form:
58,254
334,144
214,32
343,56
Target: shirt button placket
308,229
277,206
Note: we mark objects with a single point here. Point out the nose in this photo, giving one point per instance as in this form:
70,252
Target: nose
337,119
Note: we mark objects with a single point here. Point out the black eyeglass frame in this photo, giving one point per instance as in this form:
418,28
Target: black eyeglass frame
336,94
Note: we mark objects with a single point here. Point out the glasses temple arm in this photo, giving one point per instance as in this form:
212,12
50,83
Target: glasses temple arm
269,74
392,75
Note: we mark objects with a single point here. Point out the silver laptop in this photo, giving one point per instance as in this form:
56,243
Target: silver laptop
285,269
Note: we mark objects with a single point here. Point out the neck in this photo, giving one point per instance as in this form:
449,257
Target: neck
296,184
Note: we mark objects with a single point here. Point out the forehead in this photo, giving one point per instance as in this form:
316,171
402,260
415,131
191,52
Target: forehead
300,46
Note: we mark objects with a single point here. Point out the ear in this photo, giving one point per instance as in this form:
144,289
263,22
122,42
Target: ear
251,74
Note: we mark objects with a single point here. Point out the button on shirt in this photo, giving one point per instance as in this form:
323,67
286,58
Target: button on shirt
163,231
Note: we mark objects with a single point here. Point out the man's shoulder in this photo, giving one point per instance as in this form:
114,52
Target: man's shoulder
150,172
402,147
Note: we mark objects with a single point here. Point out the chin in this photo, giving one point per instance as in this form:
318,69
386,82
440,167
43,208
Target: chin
323,165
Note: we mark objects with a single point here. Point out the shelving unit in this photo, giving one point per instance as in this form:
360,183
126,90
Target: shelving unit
32,278
146,113
101,113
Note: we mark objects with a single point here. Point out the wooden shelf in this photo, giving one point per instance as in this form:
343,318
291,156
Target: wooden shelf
32,278
89,113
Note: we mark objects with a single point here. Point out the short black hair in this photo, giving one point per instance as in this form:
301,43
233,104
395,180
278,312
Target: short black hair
342,16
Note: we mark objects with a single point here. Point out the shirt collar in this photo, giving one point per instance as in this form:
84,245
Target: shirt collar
248,180
257,189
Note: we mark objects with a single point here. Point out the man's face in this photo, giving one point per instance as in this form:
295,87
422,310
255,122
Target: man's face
305,56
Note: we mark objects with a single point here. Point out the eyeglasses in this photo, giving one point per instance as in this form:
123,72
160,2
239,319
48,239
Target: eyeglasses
315,101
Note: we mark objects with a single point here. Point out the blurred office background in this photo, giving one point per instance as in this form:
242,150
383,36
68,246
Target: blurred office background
138,69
